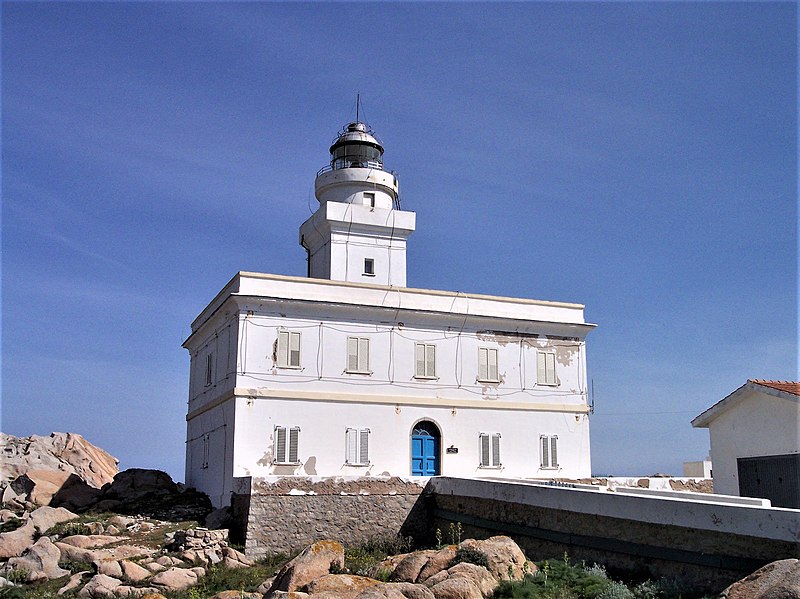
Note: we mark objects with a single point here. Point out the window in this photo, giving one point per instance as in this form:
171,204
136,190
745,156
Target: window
209,369
286,450
425,361
288,349
487,365
356,446
358,355
369,267
206,440
369,199
546,368
490,450
548,445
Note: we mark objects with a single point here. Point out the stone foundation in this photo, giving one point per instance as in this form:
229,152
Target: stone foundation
288,514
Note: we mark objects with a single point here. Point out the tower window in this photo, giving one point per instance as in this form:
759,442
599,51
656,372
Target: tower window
369,267
369,199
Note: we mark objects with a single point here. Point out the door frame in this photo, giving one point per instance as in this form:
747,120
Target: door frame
438,445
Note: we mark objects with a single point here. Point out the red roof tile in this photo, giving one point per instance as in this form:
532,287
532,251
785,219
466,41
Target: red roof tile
787,386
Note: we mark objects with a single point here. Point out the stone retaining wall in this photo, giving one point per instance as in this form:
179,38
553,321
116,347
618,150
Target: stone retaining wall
287,514
644,536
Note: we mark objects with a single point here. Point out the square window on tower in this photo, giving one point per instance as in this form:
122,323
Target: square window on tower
369,199
369,267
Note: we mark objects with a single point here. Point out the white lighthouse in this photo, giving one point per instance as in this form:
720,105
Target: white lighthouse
347,372
358,234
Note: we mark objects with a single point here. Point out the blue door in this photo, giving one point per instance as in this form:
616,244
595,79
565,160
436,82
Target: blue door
425,449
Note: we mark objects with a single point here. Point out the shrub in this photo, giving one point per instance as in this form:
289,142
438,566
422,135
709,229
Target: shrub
471,556
67,529
11,524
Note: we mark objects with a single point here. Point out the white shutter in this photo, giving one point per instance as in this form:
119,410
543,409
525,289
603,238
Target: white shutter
492,355
545,452
363,449
352,354
483,364
554,452
420,359
280,445
496,449
551,369
541,368
294,350
430,360
363,355
351,439
484,446
294,438
283,349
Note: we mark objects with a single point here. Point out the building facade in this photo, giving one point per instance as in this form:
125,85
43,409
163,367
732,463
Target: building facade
348,372
755,442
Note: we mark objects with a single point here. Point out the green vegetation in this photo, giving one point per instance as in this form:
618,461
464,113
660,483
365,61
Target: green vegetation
560,579
11,524
470,555
361,559
220,578
68,529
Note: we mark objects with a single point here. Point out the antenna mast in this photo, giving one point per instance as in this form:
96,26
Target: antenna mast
358,103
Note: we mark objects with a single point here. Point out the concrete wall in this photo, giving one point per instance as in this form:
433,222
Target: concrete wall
758,425
322,438
703,542
282,515
240,329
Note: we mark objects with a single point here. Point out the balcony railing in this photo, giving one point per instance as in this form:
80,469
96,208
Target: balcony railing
344,163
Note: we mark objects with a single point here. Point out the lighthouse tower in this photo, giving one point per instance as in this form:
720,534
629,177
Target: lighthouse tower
358,234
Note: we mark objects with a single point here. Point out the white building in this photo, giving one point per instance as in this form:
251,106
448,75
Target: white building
350,373
754,441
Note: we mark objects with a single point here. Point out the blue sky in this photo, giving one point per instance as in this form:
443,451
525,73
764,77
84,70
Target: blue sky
640,158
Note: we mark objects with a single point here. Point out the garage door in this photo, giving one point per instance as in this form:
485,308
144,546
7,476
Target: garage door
775,477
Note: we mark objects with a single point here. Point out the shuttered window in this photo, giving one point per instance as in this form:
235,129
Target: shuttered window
489,446
358,355
206,443
549,451
425,361
487,364
287,442
546,368
209,369
288,349
357,446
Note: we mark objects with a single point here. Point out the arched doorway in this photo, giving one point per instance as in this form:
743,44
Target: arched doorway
425,449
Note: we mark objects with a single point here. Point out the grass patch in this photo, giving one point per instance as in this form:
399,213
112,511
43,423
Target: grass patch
68,529
361,559
560,579
220,578
11,524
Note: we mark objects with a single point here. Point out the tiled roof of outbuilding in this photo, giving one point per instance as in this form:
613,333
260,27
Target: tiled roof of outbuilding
787,386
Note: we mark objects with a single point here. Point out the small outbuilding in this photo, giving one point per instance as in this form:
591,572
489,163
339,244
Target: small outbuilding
755,445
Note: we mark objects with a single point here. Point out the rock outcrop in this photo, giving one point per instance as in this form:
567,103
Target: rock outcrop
58,452
778,580
313,562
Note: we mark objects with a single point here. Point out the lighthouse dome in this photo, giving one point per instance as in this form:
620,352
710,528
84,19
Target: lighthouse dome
356,147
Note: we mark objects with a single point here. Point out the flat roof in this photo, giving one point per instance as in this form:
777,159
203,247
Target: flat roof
254,284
